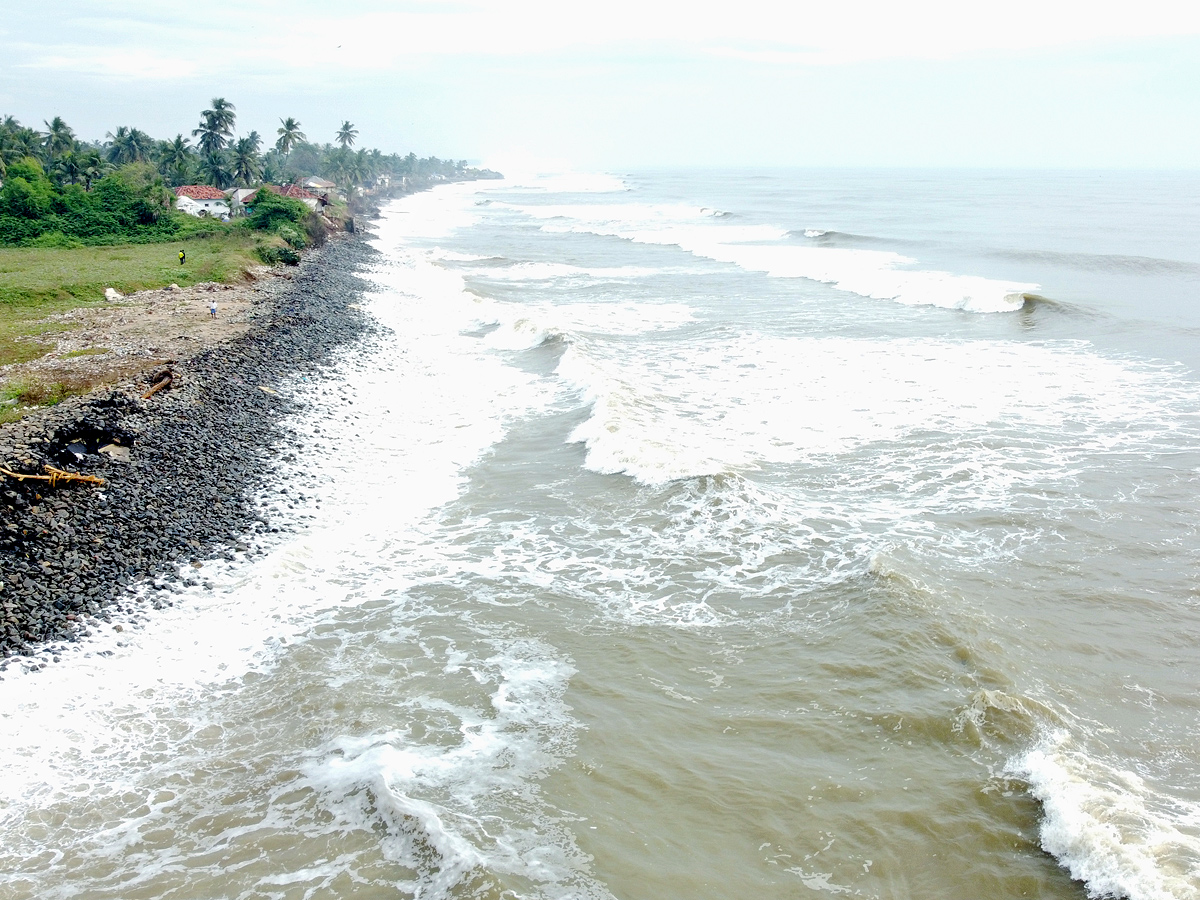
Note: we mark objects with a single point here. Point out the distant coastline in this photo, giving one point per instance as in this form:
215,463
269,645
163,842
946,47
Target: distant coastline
80,220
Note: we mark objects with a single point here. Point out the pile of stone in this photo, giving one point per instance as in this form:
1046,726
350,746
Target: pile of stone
180,467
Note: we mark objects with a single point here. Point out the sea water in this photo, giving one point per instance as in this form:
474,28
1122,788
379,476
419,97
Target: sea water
701,535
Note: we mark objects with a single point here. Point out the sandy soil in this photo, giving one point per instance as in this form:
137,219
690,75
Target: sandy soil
145,330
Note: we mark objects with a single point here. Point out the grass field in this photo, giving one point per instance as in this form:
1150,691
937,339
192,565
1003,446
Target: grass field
36,283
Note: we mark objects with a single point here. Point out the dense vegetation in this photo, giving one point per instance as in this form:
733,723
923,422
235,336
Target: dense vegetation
130,205
59,191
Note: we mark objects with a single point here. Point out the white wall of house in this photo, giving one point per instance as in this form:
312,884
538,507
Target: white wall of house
214,208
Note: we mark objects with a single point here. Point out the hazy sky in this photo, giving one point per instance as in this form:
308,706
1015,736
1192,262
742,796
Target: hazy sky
626,83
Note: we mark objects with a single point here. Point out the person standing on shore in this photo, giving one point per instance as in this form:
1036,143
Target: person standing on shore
182,257
212,309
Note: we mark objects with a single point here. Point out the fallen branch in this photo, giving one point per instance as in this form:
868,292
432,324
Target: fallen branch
166,382
54,476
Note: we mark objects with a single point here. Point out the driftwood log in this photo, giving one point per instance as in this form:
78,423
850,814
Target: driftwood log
161,380
54,476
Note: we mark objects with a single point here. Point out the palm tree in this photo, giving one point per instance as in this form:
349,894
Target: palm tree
129,145
272,167
244,158
25,141
216,170
176,156
8,152
346,134
141,145
222,115
59,137
16,142
92,167
118,142
211,139
69,166
347,168
289,135
216,126
365,167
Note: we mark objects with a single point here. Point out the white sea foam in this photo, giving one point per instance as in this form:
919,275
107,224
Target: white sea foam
453,256
464,801
1109,828
560,182
648,223
877,274
723,405
358,493
551,271
428,214
532,324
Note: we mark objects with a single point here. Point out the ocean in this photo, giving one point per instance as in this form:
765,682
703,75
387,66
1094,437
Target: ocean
686,534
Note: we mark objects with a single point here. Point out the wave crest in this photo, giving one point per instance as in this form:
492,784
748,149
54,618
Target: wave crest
1109,828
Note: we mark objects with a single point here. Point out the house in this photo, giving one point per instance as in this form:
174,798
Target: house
241,196
239,199
201,200
318,185
295,192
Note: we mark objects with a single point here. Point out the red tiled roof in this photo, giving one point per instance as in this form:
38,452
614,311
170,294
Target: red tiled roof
290,190
199,192
297,193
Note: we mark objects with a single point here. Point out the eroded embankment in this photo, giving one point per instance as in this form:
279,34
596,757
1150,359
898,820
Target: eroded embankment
180,468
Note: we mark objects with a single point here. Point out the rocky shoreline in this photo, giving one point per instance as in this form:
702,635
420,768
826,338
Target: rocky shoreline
180,468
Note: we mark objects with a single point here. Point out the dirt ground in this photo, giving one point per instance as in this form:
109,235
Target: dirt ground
100,345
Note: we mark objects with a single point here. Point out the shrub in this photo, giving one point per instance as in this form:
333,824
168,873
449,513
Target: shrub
132,205
273,256
27,192
55,239
17,230
292,235
271,211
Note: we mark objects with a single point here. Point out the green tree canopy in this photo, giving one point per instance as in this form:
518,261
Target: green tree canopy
346,134
289,135
60,138
216,126
129,145
244,160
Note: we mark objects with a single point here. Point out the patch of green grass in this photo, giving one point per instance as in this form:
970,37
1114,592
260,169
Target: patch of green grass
35,275
38,282
35,392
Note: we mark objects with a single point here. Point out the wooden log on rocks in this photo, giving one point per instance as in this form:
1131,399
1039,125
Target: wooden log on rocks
54,476
164,381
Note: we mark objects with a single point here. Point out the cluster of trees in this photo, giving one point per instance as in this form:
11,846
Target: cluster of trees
130,204
133,205
217,156
61,191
